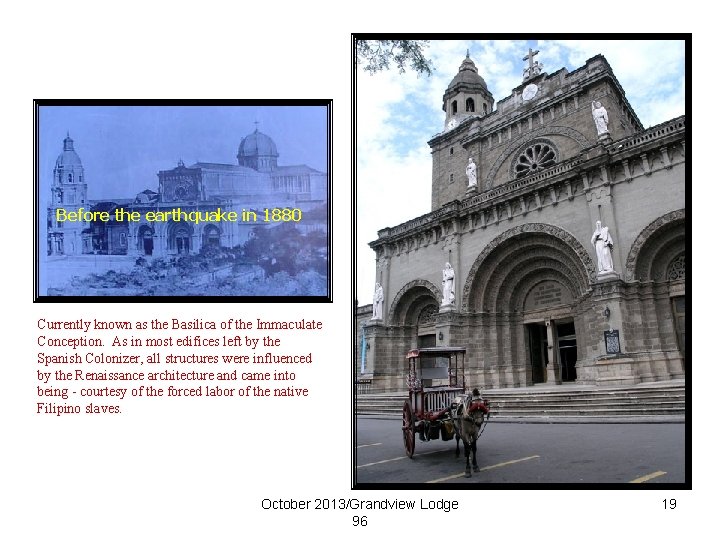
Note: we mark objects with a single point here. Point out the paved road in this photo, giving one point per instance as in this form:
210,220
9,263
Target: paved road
528,453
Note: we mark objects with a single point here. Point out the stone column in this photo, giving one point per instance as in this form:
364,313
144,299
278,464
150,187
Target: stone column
447,324
382,361
553,368
371,342
161,237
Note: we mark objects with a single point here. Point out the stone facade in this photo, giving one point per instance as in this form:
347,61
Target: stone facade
531,306
255,185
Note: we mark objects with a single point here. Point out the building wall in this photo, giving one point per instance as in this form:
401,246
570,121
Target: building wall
200,187
633,203
560,111
512,234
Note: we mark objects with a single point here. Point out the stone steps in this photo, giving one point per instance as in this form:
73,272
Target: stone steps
599,411
667,399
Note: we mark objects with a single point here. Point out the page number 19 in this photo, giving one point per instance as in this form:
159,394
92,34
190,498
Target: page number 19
669,504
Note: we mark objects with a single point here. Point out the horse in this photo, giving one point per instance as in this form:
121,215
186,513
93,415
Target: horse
468,414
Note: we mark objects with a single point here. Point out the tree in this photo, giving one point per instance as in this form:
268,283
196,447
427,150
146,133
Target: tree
377,55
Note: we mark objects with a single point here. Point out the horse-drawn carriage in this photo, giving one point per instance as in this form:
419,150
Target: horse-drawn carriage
439,405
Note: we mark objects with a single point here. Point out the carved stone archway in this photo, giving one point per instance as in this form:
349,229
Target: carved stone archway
638,264
405,304
563,248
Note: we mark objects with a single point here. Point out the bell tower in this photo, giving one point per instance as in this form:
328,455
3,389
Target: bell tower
467,95
68,194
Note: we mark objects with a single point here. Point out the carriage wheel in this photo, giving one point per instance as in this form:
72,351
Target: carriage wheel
408,429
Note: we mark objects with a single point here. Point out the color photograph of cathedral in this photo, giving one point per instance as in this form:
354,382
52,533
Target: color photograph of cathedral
537,217
196,200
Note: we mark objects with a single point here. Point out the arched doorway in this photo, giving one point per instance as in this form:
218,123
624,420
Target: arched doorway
180,238
656,262
211,236
146,243
415,308
524,288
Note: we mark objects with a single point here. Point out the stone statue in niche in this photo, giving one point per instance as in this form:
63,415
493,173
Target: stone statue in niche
448,283
377,302
471,172
600,116
603,243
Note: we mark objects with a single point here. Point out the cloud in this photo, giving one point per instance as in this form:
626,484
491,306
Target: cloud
649,71
398,113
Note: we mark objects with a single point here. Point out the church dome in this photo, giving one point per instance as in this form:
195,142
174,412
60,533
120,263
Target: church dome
466,95
468,76
258,151
257,144
68,158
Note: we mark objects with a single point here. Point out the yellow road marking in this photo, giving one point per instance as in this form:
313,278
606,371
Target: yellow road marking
397,458
371,444
503,464
647,477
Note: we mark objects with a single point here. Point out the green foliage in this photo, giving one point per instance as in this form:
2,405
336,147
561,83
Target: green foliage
378,55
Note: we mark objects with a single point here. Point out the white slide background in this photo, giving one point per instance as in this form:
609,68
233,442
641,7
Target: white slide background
179,470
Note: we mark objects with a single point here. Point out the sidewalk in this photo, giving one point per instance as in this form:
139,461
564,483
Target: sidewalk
610,419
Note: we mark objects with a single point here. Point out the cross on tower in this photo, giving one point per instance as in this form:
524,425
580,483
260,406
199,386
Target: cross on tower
530,55
533,68
256,125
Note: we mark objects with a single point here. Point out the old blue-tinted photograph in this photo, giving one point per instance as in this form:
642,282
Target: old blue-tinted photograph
192,200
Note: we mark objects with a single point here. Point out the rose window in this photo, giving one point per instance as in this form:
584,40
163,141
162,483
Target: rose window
534,159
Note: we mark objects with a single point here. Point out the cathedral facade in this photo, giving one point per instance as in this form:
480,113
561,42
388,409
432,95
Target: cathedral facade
554,250
251,189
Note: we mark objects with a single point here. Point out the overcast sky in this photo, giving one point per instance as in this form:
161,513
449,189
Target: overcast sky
398,113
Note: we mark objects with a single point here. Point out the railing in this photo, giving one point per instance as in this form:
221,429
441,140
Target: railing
363,386
674,125
433,216
513,186
437,400
452,207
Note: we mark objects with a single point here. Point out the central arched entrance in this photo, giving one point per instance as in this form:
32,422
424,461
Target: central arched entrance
180,238
540,350
525,289
550,338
